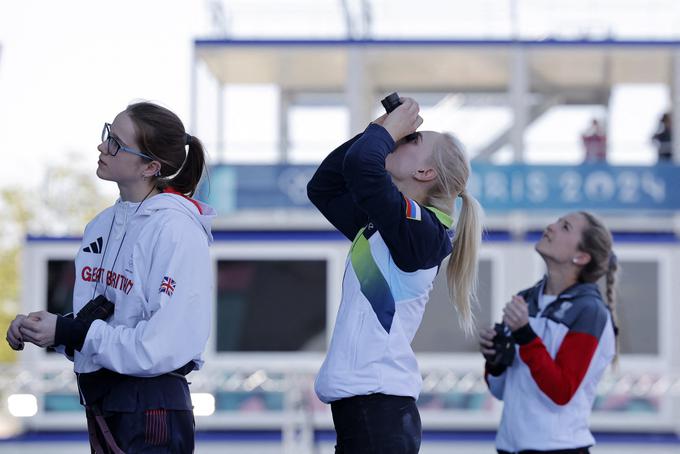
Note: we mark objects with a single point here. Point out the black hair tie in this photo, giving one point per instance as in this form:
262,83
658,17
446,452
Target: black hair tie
613,260
188,139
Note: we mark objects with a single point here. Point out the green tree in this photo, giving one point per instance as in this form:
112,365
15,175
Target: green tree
69,197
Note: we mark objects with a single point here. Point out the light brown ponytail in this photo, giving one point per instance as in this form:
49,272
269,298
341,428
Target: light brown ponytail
597,241
610,282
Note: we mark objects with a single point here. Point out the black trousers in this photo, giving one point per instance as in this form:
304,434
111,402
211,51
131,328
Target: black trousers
558,451
377,424
144,415
157,431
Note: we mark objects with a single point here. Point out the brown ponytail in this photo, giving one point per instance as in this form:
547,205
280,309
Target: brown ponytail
190,173
610,282
597,241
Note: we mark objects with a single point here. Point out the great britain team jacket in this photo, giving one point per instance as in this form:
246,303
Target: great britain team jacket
152,262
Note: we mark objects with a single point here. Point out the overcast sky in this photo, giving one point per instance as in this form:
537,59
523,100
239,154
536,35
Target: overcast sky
68,66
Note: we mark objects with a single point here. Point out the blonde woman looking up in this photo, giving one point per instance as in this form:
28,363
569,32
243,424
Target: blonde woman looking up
394,199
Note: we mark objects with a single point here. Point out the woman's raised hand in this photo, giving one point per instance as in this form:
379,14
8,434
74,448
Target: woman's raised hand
403,120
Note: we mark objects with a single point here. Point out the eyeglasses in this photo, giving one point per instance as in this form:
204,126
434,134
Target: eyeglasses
113,146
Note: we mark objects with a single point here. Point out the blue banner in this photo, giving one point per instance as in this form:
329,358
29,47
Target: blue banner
589,187
499,188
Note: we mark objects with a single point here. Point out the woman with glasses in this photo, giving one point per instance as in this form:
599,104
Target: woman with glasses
142,292
392,194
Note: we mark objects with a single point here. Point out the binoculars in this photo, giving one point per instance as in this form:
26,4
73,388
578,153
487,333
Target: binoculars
391,102
97,309
504,345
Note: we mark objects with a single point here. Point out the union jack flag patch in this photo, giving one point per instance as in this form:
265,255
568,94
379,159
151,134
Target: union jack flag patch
168,286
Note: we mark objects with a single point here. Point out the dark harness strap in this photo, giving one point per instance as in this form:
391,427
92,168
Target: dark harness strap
95,446
95,416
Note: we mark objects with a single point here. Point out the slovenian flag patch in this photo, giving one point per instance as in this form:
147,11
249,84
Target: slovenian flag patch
412,209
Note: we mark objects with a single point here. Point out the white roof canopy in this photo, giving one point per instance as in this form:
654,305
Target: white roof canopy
438,65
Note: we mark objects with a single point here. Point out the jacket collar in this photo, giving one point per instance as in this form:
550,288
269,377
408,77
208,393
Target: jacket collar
576,291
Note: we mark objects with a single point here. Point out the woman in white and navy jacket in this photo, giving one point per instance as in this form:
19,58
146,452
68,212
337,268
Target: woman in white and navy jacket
143,289
393,198
566,337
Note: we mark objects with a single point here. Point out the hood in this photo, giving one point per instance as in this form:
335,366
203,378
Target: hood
578,290
182,204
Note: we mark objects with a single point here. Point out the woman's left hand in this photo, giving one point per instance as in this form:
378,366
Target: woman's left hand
39,328
516,313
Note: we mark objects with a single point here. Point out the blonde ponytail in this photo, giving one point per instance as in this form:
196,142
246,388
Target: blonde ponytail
461,271
453,172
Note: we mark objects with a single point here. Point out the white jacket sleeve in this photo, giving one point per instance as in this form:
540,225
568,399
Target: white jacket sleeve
178,330
496,385
62,350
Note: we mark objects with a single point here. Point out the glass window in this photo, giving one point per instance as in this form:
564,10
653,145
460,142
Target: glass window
60,281
271,305
439,330
638,307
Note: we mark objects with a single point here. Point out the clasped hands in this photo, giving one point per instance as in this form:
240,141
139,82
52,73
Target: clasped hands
37,328
515,316
516,313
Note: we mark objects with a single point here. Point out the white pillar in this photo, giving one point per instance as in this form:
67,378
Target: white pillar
284,133
675,105
193,92
358,92
219,118
519,93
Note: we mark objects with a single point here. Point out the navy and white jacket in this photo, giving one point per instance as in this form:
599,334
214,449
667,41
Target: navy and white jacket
549,389
151,261
395,255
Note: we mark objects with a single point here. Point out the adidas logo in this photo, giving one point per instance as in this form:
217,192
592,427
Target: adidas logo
95,246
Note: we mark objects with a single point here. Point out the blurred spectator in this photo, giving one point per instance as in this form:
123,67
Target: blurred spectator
595,142
663,138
